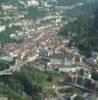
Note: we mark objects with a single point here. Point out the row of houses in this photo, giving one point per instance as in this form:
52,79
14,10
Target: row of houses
59,60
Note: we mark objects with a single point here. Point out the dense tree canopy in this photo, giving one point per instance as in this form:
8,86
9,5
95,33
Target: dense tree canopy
28,84
83,32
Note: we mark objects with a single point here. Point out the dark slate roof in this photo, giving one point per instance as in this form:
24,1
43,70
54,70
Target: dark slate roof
57,56
43,53
61,56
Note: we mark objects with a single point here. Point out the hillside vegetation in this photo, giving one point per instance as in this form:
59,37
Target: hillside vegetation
83,32
28,84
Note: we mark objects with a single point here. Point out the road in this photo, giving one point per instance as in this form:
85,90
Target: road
57,89
79,86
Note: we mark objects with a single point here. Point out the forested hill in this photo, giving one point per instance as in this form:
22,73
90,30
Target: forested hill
83,32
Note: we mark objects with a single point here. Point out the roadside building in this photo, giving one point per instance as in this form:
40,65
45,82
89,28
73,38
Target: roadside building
89,83
61,59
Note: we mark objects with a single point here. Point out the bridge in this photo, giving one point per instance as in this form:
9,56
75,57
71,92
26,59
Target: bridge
12,69
6,72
